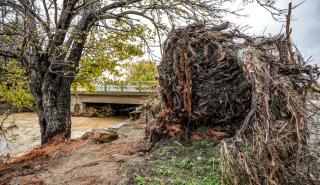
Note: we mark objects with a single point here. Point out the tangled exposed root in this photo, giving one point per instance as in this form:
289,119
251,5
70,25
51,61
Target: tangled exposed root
272,147
256,90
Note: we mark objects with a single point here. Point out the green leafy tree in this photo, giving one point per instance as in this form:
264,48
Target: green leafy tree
108,52
14,88
141,71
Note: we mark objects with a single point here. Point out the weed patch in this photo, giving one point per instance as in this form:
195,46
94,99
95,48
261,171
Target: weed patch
197,163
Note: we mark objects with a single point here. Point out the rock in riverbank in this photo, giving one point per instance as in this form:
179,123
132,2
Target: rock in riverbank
101,135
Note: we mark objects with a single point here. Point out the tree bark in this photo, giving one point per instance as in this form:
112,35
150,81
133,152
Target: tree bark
56,108
52,94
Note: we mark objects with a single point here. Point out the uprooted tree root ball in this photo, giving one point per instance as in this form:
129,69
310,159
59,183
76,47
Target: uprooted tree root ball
252,90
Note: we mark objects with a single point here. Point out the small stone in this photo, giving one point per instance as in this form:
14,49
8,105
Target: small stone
37,167
104,135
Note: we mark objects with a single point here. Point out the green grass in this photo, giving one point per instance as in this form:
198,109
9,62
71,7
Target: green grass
141,180
165,170
178,164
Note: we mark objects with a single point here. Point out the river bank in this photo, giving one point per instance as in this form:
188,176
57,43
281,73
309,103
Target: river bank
27,135
76,161
128,160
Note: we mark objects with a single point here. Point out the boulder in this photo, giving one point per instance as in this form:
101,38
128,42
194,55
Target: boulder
104,135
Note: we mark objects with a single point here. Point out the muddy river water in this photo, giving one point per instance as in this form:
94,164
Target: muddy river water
27,135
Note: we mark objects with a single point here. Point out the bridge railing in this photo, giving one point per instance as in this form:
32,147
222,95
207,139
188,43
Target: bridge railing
134,87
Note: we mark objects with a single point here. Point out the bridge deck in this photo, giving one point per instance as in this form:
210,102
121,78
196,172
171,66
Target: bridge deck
121,93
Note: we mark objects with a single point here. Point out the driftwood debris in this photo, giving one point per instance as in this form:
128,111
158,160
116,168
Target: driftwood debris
253,90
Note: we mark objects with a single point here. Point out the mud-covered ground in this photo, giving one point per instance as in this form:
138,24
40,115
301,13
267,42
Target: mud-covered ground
123,161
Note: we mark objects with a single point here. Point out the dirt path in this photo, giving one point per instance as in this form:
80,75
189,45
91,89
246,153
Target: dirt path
78,162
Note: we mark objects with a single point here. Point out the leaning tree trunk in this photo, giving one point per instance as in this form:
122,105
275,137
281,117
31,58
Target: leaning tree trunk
52,94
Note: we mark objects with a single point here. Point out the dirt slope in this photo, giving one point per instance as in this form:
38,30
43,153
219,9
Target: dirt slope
78,162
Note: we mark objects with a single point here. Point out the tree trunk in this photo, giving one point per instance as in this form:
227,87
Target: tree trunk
52,94
51,77
56,108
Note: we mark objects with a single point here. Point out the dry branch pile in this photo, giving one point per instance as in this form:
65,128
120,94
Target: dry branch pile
253,89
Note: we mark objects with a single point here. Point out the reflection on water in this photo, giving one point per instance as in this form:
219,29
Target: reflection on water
27,135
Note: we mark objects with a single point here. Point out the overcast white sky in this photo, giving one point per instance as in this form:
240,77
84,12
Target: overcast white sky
305,27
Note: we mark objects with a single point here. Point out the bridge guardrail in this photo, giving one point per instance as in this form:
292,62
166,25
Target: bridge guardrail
134,87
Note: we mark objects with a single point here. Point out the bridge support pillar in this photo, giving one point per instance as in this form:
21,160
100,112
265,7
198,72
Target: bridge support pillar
76,105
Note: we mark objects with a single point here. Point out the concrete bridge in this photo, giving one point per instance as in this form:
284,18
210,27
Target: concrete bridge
113,94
